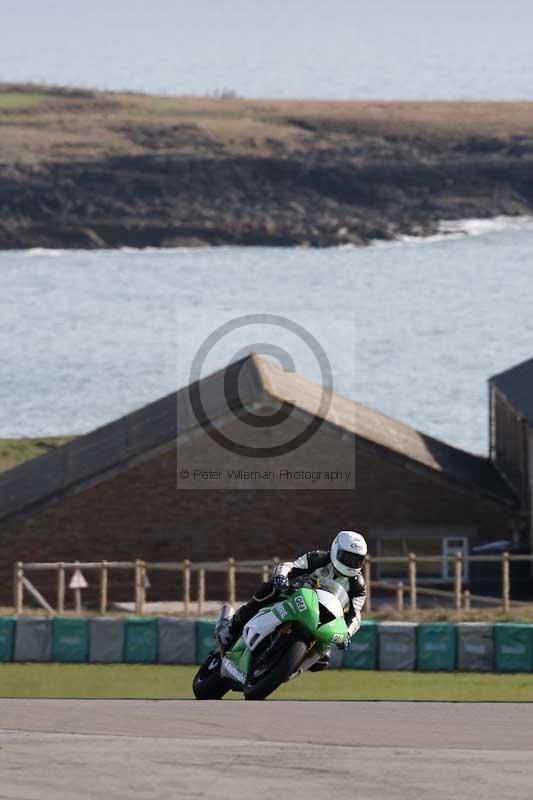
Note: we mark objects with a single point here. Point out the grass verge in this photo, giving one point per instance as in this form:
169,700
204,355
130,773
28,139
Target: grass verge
168,682
15,451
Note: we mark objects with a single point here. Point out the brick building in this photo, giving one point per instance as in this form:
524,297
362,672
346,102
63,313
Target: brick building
116,493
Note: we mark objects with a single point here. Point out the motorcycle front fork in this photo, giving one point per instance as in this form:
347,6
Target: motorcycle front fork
311,658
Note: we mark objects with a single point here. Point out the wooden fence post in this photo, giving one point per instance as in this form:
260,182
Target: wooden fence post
399,596
412,581
466,600
458,580
103,587
201,590
231,581
142,588
19,587
77,600
77,592
60,588
506,582
368,573
186,586
138,580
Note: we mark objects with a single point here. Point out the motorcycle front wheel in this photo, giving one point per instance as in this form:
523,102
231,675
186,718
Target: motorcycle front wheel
280,672
207,683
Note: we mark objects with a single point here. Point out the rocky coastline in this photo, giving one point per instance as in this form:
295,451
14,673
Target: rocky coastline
83,169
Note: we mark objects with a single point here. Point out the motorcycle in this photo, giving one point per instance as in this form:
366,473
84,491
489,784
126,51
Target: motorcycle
283,640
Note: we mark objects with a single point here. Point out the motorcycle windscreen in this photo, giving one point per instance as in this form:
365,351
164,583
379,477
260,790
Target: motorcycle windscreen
337,590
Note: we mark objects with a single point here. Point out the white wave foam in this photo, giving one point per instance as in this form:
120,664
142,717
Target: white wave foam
457,229
159,250
55,253
44,251
415,240
479,227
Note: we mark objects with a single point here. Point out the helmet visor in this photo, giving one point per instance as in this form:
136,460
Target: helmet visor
350,559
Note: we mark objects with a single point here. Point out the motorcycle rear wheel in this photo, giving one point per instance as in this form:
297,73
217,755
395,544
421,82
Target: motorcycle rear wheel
281,671
207,683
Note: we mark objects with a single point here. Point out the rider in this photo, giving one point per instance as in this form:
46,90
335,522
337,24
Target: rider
342,563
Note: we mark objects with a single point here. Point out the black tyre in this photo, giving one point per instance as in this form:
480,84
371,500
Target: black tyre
281,671
207,683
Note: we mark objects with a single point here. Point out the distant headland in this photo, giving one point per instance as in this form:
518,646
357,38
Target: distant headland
88,169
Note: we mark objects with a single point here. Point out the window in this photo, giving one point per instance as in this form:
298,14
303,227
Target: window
450,546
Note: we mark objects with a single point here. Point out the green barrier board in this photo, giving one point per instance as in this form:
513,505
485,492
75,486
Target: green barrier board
7,638
141,641
513,647
205,639
70,640
436,646
363,652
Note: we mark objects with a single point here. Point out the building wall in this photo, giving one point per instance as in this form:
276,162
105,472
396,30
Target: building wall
140,514
530,461
509,444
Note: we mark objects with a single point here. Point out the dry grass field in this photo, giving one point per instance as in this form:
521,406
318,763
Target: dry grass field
43,123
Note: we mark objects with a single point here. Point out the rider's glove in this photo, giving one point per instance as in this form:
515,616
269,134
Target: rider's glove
281,582
345,645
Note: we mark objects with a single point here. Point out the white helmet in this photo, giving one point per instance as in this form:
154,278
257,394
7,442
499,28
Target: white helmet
348,552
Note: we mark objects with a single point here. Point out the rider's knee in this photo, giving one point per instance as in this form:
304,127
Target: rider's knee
266,591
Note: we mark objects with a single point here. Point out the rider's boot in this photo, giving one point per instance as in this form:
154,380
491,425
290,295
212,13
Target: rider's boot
229,635
223,622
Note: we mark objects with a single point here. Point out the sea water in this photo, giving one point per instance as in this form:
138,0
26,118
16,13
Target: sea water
413,328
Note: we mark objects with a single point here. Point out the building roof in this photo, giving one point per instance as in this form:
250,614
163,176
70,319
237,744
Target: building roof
368,425
142,434
517,386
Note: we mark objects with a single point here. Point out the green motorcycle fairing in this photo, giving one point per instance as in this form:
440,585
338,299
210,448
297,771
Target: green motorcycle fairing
302,607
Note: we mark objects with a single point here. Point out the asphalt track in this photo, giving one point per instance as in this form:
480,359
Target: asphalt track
142,749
